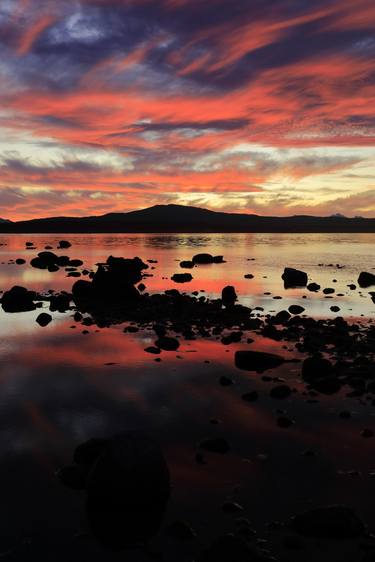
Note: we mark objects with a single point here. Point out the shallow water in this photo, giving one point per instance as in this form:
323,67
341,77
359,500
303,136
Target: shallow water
59,388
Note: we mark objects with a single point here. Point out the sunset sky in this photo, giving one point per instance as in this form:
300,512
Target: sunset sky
258,106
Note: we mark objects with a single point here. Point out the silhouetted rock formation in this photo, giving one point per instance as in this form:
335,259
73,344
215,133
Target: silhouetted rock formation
113,282
18,299
294,278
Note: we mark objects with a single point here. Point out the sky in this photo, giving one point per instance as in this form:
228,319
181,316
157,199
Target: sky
252,106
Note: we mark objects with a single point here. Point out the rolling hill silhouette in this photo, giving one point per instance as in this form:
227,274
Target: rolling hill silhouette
180,218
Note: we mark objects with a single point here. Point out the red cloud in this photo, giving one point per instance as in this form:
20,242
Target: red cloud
28,39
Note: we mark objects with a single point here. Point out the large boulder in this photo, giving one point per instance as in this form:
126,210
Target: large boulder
203,259
366,280
112,282
294,278
257,360
128,486
18,299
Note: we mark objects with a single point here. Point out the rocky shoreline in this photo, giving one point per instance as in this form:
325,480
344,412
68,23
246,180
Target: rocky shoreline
331,355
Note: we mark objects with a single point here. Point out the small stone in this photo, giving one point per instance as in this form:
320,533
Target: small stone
44,319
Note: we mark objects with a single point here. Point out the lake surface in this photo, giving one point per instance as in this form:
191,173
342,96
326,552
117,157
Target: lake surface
60,388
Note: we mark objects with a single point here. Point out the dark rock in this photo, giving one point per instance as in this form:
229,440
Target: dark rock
333,522
167,343
249,276
232,507
88,452
296,309
226,381
367,433
73,476
228,295
326,385
257,360
127,490
181,531
219,445
186,264
60,302
281,317
64,244
313,287
62,261
53,268
280,392
75,263
203,259
229,548
141,287
284,422
251,396
44,319
366,280
182,277
294,278
328,291
20,261
83,290
153,350
315,367
18,299
218,259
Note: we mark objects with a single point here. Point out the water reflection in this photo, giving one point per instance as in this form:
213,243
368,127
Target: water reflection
60,387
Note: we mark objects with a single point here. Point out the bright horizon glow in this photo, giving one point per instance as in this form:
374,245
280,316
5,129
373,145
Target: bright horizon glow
117,105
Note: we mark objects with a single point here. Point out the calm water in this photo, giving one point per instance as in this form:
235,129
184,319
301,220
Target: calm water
58,390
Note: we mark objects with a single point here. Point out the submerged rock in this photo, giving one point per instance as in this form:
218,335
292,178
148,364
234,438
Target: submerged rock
182,277
186,264
333,522
230,548
128,487
316,367
257,360
64,244
218,445
294,278
280,392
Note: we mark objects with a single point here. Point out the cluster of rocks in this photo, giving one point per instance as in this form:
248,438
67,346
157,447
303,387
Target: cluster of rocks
50,261
113,282
201,259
